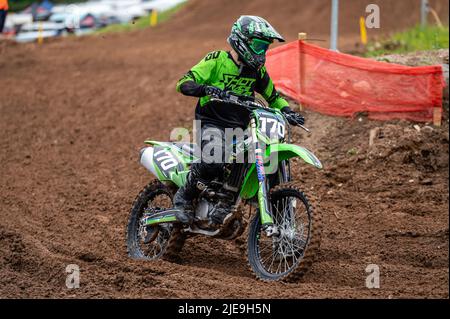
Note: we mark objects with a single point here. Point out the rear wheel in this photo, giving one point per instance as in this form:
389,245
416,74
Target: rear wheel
153,242
290,254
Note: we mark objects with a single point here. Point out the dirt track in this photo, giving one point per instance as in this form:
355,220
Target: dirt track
74,114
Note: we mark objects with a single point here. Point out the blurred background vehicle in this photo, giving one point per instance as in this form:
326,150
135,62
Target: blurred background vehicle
78,17
32,31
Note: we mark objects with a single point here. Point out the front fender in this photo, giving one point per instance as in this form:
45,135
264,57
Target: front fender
286,151
274,154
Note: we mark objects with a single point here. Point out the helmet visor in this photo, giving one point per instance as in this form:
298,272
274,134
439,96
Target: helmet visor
259,46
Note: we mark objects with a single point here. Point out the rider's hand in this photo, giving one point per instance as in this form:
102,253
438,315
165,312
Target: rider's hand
215,92
292,117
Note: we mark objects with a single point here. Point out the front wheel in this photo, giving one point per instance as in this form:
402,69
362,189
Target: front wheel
289,255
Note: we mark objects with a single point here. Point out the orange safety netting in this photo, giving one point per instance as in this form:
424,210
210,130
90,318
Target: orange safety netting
340,84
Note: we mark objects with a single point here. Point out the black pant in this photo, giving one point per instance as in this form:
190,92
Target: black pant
3,14
206,169
213,153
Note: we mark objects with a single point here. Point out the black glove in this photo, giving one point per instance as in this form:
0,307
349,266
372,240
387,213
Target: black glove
292,117
215,92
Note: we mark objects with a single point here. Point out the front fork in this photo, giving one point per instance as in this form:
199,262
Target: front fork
264,209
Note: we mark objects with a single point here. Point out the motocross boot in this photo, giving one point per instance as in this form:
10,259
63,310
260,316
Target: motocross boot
184,197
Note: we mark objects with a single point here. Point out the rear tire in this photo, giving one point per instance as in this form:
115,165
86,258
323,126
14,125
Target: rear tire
289,256
167,240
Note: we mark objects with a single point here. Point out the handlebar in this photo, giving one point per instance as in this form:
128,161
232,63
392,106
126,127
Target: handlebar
247,102
250,103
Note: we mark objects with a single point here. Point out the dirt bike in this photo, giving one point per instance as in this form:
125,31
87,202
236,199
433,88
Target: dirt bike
284,233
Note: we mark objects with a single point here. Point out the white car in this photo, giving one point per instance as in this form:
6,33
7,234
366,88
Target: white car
14,20
123,11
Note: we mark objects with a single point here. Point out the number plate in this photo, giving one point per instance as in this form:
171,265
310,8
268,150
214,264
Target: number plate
166,161
271,125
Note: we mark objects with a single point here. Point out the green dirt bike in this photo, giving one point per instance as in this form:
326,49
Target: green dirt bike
284,234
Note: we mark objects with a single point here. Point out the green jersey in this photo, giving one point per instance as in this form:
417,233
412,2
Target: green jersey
219,69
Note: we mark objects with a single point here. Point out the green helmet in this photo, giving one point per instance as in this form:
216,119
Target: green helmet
251,37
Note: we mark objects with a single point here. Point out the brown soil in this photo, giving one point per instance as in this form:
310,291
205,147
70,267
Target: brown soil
74,113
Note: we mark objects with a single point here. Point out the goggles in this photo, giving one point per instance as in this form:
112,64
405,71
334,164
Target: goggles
259,46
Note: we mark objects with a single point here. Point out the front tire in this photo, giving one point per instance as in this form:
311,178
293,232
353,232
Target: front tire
290,255
153,242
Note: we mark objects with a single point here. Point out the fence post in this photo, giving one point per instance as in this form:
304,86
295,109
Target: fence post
301,66
437,116
153,18
40,37
334,25
424,9
363,30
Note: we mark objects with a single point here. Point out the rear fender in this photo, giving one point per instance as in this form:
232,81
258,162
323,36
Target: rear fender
164,164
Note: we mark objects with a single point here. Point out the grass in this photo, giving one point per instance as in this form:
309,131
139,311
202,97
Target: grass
415,39
140,23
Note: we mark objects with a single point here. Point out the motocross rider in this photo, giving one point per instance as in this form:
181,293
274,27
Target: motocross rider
241,71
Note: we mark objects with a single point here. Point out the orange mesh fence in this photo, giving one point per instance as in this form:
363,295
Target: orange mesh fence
344,85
